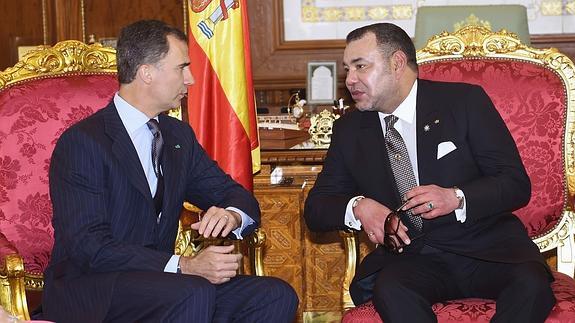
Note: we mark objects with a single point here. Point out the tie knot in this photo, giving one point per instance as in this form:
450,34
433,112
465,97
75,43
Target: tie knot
390,121
154,126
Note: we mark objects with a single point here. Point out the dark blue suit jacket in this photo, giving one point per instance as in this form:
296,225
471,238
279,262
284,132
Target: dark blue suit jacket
485,165
104,217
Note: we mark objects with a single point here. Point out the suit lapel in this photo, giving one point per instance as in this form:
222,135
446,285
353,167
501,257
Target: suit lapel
172,164
125,152
428,133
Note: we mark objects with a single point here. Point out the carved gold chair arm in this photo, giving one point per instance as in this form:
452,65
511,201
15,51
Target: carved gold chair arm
256,242
189,243
351,245
12,289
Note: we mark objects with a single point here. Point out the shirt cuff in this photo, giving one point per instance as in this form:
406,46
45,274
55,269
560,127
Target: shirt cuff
350,220
461,214
246,221
172,265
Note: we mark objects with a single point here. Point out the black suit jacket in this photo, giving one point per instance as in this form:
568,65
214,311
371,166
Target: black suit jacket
104,216
485,165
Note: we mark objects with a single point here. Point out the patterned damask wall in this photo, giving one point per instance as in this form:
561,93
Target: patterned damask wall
333,19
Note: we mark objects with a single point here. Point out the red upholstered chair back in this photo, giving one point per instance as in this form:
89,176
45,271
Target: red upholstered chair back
531,100
533,90
40,97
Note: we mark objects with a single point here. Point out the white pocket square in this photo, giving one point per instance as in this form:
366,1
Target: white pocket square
445,148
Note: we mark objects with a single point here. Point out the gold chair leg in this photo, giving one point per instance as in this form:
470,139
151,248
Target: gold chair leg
351,244
12,290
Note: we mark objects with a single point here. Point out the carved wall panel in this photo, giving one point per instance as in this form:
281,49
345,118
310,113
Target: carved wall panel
104,18
21,24
282,224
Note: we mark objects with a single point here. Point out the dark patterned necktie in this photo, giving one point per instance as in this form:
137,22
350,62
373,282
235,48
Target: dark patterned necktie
157,144
400,164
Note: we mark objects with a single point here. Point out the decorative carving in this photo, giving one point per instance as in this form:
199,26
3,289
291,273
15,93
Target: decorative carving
472,20
33,282
321,128
313,156
65,57
284,248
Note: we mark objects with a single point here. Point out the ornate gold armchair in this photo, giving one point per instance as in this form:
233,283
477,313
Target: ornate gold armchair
50,89
534,91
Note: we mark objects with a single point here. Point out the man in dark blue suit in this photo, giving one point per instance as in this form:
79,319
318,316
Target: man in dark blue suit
116,208
439,154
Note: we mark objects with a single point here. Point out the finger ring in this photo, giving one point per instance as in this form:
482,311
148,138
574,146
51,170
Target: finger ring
371,234
430,205
226,217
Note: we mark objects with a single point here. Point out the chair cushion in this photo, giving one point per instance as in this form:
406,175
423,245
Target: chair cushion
34,114
479,310
532,101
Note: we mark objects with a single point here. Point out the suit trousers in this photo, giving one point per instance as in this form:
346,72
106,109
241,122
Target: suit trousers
168,297
407,287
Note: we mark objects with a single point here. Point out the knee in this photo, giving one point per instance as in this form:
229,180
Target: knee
195,288
277,288
387,289
533,282
532,278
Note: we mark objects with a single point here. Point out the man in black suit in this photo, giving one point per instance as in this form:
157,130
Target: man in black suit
455,236
113,258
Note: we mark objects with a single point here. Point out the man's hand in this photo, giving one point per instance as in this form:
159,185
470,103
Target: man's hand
431,201
372,216
217,222
215,263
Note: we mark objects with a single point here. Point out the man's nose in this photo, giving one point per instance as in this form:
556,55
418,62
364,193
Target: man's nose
350,78
188,77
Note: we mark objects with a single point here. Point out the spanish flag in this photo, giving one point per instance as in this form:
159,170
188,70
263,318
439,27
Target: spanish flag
221,105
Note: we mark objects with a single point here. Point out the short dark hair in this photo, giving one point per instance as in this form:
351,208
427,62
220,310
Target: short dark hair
390,38
143,42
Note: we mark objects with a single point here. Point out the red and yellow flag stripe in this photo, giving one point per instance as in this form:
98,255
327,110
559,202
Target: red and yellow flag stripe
221,105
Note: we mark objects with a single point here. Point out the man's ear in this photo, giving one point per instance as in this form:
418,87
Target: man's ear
398,60
145,73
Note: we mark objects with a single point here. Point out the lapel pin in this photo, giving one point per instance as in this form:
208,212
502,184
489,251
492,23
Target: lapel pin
426,127
177,146
436,121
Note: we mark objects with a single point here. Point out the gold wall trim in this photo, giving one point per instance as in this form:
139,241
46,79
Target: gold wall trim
44,23
185,10
83,19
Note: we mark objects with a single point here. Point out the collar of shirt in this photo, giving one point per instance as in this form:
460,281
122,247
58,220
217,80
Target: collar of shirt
405,112
406,126
132,118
